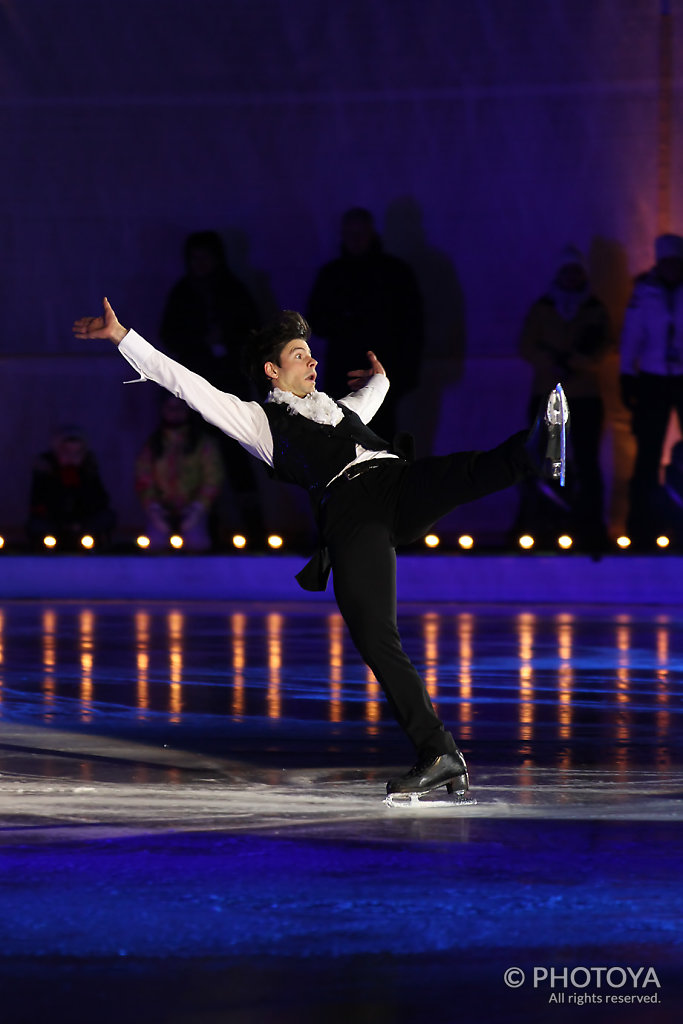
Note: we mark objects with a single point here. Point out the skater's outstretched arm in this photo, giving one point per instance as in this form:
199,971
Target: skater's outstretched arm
246,422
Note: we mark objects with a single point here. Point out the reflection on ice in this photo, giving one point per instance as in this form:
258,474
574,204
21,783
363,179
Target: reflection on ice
528,677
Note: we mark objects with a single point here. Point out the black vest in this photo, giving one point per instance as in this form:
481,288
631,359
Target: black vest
310,454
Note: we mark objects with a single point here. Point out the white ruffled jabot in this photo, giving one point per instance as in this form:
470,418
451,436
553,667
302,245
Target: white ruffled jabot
317,406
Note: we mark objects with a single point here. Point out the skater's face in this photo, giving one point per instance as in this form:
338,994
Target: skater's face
295,371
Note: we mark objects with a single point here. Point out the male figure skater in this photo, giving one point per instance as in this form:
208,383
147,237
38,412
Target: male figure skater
367,498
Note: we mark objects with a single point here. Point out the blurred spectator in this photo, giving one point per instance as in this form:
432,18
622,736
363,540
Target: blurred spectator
208,315
565,335
178,476
652,377
68,498
366,299
672,505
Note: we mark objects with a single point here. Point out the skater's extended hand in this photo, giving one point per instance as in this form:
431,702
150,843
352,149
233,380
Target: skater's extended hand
105,326
357,378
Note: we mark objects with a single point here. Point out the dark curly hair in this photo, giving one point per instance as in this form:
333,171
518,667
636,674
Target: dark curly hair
265,346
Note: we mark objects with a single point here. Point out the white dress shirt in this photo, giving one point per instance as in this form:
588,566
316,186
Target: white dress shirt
246,422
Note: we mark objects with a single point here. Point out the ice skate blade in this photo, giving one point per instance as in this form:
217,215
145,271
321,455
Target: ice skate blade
557,416
435,799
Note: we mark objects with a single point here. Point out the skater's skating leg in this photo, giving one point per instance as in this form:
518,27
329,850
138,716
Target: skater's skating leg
364,574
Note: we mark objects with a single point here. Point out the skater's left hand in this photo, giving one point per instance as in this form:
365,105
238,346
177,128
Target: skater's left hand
106,326
357,378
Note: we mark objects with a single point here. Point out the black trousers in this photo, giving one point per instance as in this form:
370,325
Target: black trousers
362,521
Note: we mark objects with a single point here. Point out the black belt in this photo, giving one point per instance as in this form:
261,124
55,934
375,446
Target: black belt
356,470
352,473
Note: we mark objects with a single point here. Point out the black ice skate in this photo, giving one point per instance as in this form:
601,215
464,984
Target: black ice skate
546,445
447,770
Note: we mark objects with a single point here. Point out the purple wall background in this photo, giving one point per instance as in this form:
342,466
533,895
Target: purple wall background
483,134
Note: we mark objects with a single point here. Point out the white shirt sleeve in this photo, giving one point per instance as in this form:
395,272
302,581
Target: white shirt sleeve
367,400
246,422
